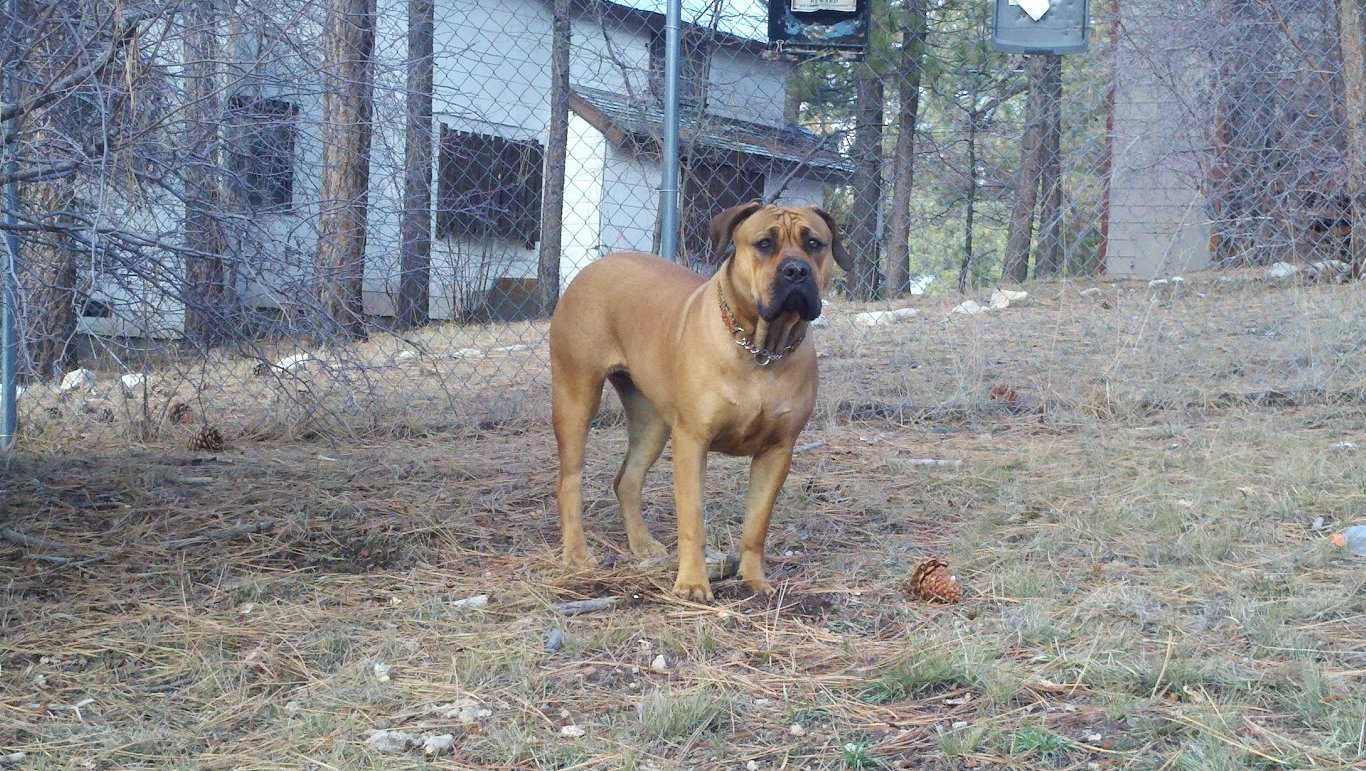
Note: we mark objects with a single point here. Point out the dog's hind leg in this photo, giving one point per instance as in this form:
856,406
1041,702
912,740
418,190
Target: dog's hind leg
574,402
647,433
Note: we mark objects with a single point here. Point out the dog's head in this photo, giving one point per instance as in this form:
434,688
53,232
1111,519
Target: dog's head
782,254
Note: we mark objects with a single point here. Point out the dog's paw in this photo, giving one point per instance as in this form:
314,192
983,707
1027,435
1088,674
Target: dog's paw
579,558
648,548
697,591
760,586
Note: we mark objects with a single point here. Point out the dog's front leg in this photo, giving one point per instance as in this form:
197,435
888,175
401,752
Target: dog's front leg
690,467
767,472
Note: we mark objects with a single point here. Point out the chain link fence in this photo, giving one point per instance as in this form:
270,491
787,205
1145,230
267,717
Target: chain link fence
331,217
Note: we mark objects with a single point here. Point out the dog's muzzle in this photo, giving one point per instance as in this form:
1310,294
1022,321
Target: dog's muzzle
794,289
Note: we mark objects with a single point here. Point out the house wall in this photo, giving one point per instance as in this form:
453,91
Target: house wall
584,207
1158,222
492,77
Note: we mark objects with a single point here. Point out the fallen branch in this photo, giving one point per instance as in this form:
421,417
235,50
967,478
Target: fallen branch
808,446
575,607
236,531
31,541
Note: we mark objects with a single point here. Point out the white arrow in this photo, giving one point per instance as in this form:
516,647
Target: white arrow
1035,8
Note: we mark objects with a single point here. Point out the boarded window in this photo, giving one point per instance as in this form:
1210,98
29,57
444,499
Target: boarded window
489,186
263,133
708,188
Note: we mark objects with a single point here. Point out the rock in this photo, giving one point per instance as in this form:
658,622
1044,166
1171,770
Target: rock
968,308
12,759
463,711
796,729
391,742
467,353
294,362
1344,447
406,355
820,322
438,743
881,318
381,671
555,640
1004,298
477,602
920,283
572,732
659,664
753,765
133,381
511,348
78,380
1281,271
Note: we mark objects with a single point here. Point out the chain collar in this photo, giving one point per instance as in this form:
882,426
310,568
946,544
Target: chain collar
762,356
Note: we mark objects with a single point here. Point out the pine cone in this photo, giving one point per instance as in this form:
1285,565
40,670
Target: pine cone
931,580
208,438
181,413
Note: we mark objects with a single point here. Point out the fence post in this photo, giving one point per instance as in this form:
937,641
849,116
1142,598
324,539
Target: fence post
668,183
9,266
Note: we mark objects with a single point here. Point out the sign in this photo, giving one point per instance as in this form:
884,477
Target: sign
1040,26
828,30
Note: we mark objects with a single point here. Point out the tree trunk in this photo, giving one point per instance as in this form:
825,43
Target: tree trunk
903,162
1350,34
47,268
48,276
867,184
348,46
208,294
415,248
1048,258
557,144
1020,233
966,265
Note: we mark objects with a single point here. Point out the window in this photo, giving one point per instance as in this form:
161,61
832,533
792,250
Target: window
709,187
694,57
263,133
489,186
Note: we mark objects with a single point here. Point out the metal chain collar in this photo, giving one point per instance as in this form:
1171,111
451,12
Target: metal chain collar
762,356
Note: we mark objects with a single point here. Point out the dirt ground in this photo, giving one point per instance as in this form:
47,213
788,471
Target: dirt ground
1135,487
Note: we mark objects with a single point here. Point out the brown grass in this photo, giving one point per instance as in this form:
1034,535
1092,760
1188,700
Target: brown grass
1145,587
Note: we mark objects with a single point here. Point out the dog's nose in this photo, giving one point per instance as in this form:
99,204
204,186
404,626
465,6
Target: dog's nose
795,271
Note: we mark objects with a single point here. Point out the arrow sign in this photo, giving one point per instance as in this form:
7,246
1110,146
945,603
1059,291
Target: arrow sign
1035,8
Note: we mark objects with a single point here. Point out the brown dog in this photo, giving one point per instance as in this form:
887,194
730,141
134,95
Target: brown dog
722,364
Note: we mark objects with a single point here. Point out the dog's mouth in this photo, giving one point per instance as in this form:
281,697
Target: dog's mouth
804,299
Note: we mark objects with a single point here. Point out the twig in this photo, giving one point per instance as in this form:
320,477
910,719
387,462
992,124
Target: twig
808,446
31,541
240,529
575,607
34,542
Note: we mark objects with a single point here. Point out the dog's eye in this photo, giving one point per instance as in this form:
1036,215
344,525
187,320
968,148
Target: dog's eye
764,244
813,245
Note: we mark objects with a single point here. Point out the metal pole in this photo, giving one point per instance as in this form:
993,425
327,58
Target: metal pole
668,183
9,265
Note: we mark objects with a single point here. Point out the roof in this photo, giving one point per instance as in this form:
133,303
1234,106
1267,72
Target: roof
747,19
740,23
640,123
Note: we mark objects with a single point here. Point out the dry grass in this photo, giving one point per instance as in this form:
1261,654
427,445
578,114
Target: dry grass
1134,528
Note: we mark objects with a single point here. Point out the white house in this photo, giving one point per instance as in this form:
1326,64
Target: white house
490,129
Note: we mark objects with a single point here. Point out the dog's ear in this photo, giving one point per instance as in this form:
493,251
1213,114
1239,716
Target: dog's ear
836,245
723,226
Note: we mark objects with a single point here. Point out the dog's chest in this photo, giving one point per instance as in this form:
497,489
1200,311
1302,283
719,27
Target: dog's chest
751,419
